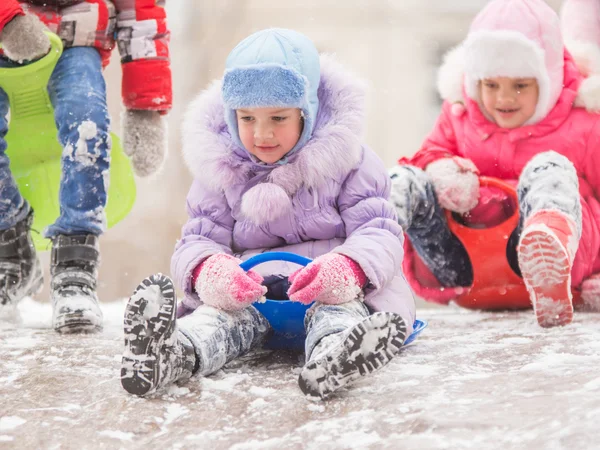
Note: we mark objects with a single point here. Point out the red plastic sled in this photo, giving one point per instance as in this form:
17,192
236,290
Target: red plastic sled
495,286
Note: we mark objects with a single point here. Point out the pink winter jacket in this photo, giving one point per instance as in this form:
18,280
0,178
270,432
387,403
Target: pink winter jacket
502,153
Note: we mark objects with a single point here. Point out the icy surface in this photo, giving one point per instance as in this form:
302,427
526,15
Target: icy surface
472,380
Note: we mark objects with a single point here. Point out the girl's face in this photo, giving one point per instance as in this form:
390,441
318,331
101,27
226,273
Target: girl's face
269,133
509,101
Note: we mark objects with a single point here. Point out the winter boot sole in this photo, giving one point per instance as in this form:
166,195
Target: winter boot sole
546,270
76,322
149,321
367,347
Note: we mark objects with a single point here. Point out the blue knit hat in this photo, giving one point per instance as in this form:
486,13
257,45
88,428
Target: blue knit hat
273,68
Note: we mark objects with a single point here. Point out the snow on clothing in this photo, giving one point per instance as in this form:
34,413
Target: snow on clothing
219,336
329,195
159,350
463,130
139,28
326,196
83,131
542,186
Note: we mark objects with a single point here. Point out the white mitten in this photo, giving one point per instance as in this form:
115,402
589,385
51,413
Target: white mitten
456,183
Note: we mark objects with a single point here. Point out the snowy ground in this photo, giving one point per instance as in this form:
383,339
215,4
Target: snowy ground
472,380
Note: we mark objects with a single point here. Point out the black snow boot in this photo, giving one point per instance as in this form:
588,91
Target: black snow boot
74,270
20,270
342,358
156,354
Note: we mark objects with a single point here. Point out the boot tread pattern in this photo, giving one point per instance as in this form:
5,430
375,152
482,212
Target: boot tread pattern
368,347
546,271
144,337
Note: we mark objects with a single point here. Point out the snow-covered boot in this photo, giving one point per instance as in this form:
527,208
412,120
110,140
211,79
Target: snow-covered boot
546,252
74,270
550,224
156,354
219,336
343,357
20,269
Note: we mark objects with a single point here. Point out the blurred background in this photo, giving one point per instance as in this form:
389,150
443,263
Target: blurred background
396,45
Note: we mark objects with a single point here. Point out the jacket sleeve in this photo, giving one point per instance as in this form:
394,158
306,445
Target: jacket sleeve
8,10
208,231
440,143
143,40
374,238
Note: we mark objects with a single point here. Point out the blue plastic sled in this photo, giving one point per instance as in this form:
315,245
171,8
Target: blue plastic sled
287,317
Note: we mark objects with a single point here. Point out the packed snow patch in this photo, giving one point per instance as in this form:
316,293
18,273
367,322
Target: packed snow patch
472,380
10,422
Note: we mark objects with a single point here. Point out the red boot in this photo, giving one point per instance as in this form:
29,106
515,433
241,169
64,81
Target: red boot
546,252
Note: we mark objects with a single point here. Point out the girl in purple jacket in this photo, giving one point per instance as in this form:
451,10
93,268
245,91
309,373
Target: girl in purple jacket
276,152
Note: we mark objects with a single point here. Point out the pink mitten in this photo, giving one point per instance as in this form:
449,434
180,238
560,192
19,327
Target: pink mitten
590,293
331,278
221,282
456,183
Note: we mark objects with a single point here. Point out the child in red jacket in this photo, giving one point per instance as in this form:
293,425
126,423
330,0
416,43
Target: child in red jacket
78,94
509,113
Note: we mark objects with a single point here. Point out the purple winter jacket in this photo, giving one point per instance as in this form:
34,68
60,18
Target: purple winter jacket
331,195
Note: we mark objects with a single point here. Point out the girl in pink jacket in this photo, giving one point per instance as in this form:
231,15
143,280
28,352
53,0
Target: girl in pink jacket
511,92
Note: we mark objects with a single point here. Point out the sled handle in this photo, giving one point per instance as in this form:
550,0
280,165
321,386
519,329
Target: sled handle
274,256
498,183
26,85
418,327
495,183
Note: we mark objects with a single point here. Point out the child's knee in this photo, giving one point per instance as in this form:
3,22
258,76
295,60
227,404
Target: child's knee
411,191
409,177
355,308
547,164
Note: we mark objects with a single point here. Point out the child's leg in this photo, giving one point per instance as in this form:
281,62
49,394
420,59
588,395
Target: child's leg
20,270
424,223
78,94
345,343
159,350
550,211
219,337
13,207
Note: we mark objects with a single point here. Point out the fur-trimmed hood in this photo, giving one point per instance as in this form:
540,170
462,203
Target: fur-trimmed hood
520,38
450,82
332,152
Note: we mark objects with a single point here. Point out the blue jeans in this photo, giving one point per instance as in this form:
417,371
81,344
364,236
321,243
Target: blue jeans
78,94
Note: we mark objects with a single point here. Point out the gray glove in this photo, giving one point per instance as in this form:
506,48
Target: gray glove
144,140
23,39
